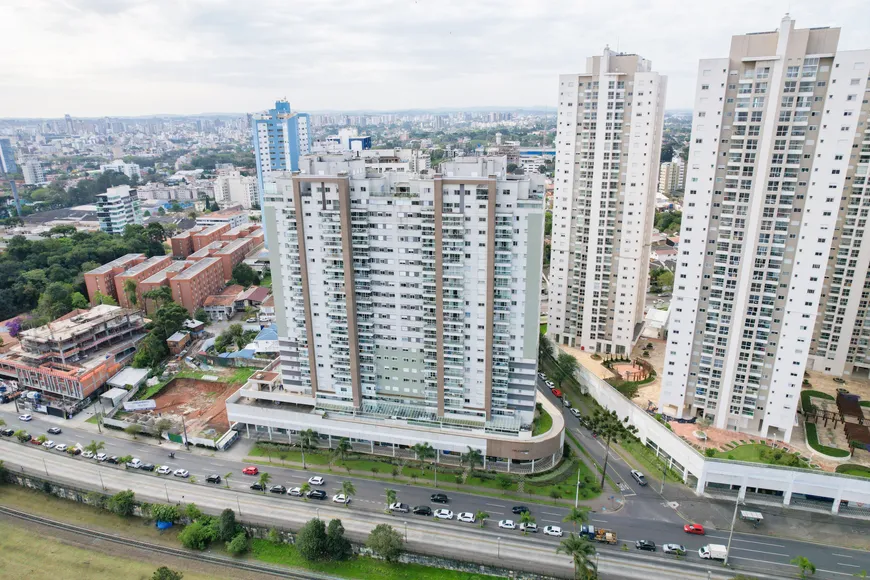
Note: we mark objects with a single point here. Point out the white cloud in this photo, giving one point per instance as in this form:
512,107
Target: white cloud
128,57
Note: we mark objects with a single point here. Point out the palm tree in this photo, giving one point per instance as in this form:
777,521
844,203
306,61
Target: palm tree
306,487
526,518
581,551
130,291
306,441
227,479
804,565
349,490
545,349
424,451
264,480
342,449
481,515
391,497
125,460
472,457
577,516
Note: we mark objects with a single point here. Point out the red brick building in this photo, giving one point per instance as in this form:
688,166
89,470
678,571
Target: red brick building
137,273
102,279
193,285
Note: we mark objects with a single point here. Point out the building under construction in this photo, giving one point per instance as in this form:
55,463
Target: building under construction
71,358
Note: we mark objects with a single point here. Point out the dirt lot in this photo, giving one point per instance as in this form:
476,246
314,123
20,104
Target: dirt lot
200,402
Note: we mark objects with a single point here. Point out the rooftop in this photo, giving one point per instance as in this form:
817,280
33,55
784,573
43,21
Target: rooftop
176,337
233,246
196,268
162,274
255,293
142,266
220,300
74,324
207,231
116,263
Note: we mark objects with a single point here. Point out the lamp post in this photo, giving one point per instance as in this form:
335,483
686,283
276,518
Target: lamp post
167,492
498,549
239,504
45,466
731,533
577,488
102,485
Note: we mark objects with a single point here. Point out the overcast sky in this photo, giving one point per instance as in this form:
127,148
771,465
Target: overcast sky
137,57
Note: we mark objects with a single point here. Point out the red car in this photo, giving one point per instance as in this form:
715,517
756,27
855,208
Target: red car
557,392
697,529
250,471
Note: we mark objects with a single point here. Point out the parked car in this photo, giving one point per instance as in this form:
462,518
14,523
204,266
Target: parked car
213,478
530,528
557,393
134,463
101,457
49,444
399,507
54,430
638,476
467,517
566,403
164,470
519,509
422,510
550,384
316,494
575,412
147,467
542,375
444,514
677,549
34,440
7,432
114,460
439,498
88,454
250,470
277,489
645,545
26,417
553,531
60,447
507,524
257,487
295,491
696,529
181,473
316,480
340,498
75,450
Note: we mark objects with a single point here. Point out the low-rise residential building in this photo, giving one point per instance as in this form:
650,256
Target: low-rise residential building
102,279
182,244
177,342
137,274
193,285
220,306
208,235
234,216
158,279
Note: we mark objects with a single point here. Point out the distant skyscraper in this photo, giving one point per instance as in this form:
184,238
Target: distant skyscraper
117,208
772,243
279,138
672,176
69,125
608,145
32,170
7,157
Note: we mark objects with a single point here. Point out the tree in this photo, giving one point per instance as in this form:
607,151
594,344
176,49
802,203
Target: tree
342,449
165,513
161,427
577,516
197,535
95,446
192,512
201,315
164,573
122,503
482,516
264,480
22,435
244,275
161,210
78,301
526,518
504,481
238,545
130,291
42,439
548,221
386,542
349,490
424,451
100,298
804,565
472,458
227,526
227,477
311,540
581,551
545,349
133,429
307,439
512,167
609,427
306,487
565,367
125,459
390,494
665,280
161,295
337,546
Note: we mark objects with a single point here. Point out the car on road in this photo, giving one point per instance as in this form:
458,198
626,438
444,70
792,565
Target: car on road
677,549
566,403
638,476
466,517
134,463
340,498
529,528
316,494
444,514
60,447
25,417
101,457
557,392
7,432
399,507
88,454
213,478
520,509
553,531
422,510
54,430
507,524
645,545
181,473
550,384
575,412
277,489
147,467
164,470
316,480
48,444
257,486
250,470
114,460
439,498
34,440
295,491
696,529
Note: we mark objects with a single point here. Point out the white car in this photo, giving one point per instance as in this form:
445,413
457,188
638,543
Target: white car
181,473
553,531
315,480
340,498
677,549
575,412
295,491
542,375
443,514
25,418
164,470
101,457
507,524
48,444
466,517
88,454
529,528
550,384
60,447
399,507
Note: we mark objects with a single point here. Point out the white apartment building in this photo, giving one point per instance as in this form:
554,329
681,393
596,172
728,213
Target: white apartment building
608,144
32,170
118,207
777,127
232,188
406,305
672,176
118,166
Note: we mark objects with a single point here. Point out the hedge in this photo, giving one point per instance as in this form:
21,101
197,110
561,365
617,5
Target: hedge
813,440
805,398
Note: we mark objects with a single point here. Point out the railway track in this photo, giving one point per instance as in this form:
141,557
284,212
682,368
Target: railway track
166,550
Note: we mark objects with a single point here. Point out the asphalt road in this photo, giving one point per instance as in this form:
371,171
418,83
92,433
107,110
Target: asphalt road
646,515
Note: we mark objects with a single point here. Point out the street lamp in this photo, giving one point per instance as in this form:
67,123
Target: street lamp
103,485
577,489
318,513
45,466
731,533
498,549
167,492
239,504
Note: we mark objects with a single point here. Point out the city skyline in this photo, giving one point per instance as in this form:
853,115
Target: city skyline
133,58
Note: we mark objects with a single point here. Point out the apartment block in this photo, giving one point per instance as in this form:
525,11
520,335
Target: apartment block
407,307
33,173
233,253
762,289
672,176
182,244
279,137
232,216
208,235
102,279
138,273
158,279
117,208
231,188
192,286
7,157
608,144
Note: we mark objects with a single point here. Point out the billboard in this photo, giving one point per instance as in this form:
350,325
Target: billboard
140,405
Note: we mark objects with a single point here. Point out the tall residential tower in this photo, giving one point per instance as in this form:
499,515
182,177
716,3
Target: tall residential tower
770,228
608,144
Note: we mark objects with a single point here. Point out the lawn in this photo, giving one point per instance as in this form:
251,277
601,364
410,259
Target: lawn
266,281
544,328
805,398
360,567
813,441
239,377
856,470
758,453
543,423
652,465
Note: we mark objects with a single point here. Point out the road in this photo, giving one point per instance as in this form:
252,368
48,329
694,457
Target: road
646,515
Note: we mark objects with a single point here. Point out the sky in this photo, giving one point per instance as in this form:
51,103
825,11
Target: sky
93,58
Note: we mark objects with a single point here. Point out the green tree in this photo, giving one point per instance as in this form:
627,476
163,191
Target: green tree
342,449
238,545
95,446
565,367
78,300
192,512
504,481
130,288
227,477
526,519
227,526
424,451
386,542
307,439
577,516
201,315
804,565
348,489
164,573
311,540
165,513
609,427
390,495
161,427
665,280
100,298
481,516
582,552
197,535
244,275
337,546
264,480
472,458
548,220
160,295
122,503
22,435
304,489
133,430
545,349
125,459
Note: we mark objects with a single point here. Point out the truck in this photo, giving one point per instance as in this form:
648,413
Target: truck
587,532
602,535
713,552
